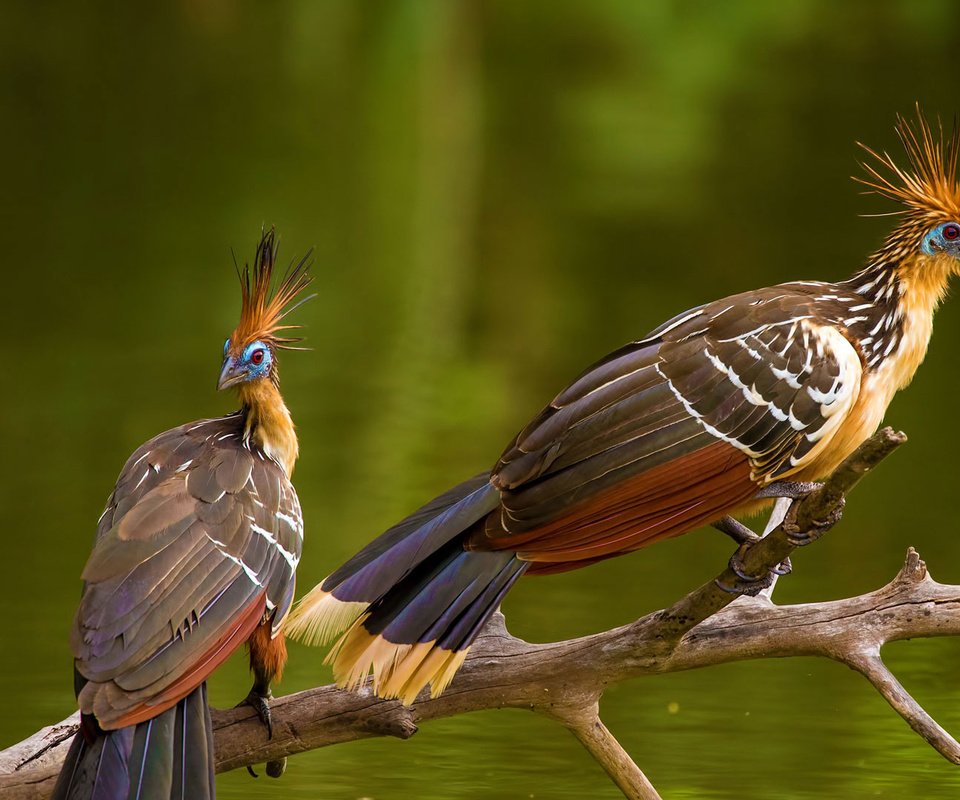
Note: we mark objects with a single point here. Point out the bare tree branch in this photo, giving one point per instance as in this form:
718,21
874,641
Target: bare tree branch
590,731
776,546
867,662
565,680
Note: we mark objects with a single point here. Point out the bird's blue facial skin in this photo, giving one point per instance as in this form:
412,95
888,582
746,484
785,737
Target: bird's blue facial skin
944,239
256,360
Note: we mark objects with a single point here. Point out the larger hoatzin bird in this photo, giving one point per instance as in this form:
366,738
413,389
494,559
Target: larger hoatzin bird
689,425
195,554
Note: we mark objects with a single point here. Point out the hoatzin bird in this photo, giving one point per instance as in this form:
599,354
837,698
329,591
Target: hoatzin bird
195,554
730,402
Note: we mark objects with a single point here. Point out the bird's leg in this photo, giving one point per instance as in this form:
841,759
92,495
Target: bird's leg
736,530
259,700
267,656
796,490
746,583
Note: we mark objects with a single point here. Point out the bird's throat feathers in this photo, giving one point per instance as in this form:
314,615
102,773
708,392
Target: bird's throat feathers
904,288
923,284
268,422
907,279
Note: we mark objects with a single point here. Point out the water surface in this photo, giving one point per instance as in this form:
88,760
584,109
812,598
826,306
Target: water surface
498,194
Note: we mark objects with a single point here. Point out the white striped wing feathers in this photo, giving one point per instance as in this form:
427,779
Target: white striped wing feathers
777,390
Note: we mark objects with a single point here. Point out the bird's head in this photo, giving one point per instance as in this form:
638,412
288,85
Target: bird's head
250,354
928,236
253,362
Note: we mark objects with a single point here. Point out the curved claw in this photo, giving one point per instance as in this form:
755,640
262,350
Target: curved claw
785,567
261,704
818,527
274,768
745,583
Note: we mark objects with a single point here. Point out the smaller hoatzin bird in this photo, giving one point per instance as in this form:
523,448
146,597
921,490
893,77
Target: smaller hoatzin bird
728,403
195,554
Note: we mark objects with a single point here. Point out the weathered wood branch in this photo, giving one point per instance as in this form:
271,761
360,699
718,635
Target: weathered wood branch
766,554
586,725
565,680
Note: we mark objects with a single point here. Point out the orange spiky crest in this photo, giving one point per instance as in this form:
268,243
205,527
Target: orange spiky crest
264,306
267,419
929,189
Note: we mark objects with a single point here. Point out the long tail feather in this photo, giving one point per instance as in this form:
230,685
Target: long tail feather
169,756
411,603
421,630
340,599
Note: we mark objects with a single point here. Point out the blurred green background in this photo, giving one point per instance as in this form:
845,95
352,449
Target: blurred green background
498,193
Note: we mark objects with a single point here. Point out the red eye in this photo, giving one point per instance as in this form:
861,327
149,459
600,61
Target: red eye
951,232
256,357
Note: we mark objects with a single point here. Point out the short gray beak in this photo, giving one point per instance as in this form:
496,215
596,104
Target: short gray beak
231,374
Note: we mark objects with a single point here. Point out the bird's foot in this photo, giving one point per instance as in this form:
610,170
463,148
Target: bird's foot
746,583
276,768
785,567
259,701
793,490
817,528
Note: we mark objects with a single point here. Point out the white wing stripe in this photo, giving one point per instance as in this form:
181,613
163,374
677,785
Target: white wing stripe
238,561
289,557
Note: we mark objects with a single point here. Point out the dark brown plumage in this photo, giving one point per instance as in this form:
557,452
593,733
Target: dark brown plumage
680,428
200,538
195,554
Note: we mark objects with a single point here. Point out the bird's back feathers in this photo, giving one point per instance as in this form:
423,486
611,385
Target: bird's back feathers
199,543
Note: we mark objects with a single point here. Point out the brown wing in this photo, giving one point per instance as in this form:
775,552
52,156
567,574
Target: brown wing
197,547
675,430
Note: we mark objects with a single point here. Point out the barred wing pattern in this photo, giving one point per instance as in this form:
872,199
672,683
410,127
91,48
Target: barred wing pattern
774,390
197,547
665,434
679,428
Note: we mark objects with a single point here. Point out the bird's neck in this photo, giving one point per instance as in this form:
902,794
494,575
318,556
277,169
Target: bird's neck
900,298
268,423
